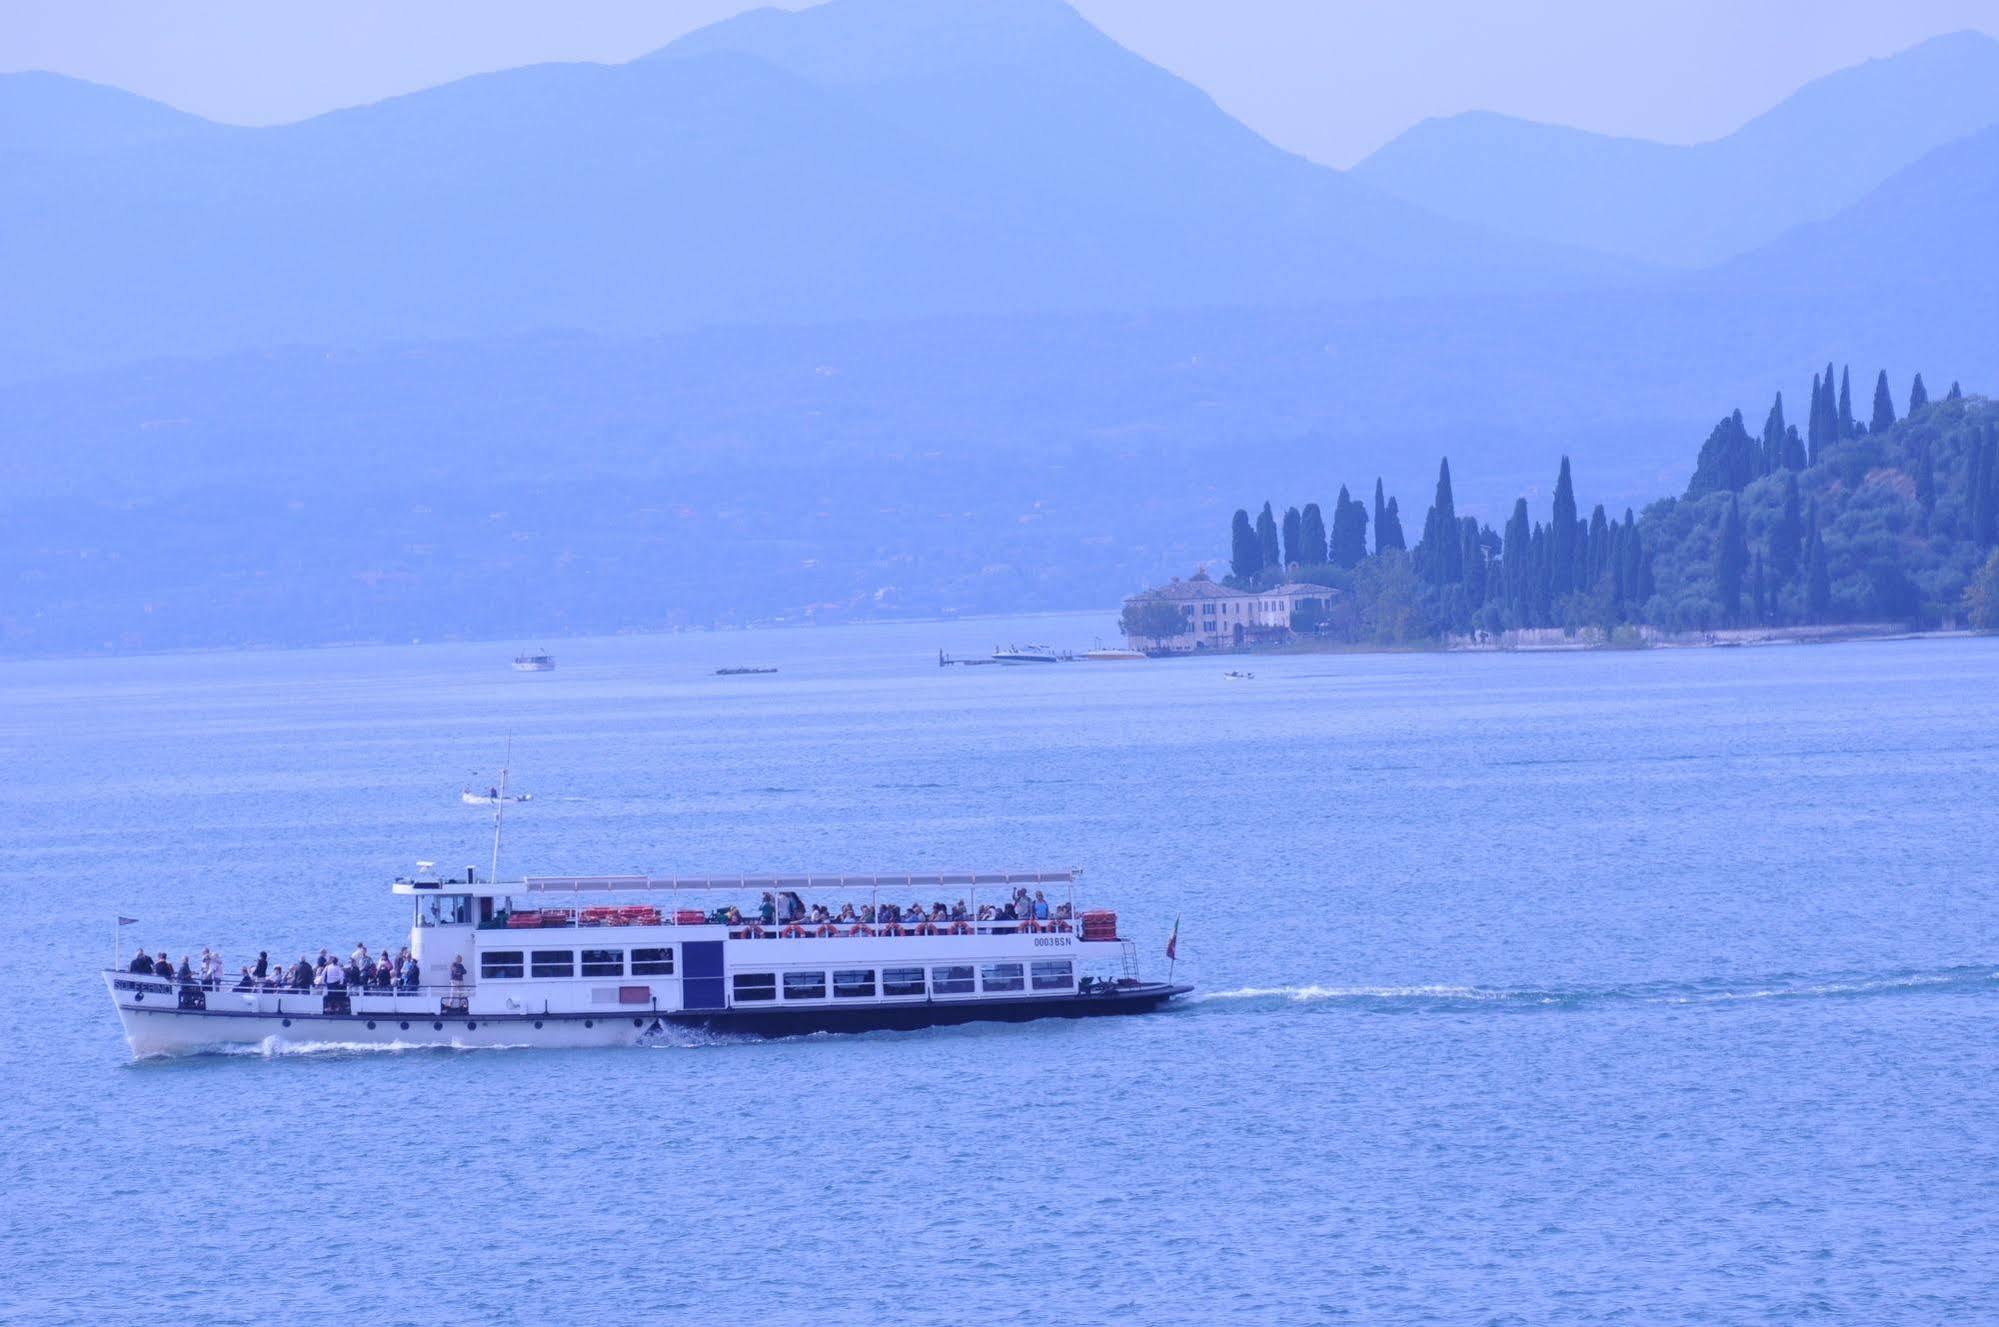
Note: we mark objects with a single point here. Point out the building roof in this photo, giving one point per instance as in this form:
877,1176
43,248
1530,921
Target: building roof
1197,586
1301,588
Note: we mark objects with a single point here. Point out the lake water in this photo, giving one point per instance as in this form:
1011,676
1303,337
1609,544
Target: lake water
1646,987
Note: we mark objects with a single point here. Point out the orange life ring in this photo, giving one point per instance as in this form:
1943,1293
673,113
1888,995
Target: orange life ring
862,929
792,932
1030,925
894,928
961,928
927,928
826,931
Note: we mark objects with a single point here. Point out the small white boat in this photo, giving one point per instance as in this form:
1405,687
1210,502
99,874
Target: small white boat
492,797
534,663
1239,676
1026,654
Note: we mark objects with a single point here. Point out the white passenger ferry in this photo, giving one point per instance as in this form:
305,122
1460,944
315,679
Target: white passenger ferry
617,960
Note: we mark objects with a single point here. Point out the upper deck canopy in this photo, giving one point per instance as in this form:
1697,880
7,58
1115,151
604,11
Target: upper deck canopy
567,884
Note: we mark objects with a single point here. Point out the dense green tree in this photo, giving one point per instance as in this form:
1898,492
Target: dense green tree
1759,593
1981,596
1266,538
1727,462
1846,426
1956,392
1380,516
1293,534
1562,534
1884,406
1156,619
1918,396
1926,481
1982,501
1312,536
1245,550
1731,560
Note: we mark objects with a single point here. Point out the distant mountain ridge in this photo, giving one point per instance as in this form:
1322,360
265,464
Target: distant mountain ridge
1006,158
1821,149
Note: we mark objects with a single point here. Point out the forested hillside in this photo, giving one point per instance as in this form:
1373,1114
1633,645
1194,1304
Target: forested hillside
1893,518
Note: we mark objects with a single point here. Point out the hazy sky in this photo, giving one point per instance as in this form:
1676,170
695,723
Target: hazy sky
1332,79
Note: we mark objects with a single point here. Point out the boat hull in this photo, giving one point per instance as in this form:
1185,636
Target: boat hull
171,1031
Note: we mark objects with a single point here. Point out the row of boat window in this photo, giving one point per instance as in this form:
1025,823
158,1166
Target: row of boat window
749,987
506,964
946,979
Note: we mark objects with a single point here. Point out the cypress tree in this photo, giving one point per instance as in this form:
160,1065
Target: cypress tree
1471,556
1442,558
1731,559
1514,562
1846,424
1884,406
1294,532
1956,392
1389,533
1349,543
1562,535
1380,515
1818,580
1794,449
1821,420
1599,549
1786,536
1266,538
1918,395
1312,536
1773,436
1245,551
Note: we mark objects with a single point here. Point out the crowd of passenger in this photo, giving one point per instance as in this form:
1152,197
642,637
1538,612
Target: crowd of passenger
359,971
785,909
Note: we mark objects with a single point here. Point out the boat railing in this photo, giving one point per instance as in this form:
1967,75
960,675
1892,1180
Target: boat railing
756,928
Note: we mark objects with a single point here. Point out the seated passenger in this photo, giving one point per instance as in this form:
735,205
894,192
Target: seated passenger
142,965
819,913
985,912
247,982
847,913
868,915
958,913
186,973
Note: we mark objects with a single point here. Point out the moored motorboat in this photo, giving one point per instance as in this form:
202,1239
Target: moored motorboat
1026,654
534,663
568,962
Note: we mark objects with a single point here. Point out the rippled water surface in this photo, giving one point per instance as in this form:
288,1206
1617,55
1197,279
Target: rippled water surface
1650,988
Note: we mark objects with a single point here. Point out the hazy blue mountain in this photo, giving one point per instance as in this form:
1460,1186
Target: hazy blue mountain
1820,149
42,112
1929,226
1008,157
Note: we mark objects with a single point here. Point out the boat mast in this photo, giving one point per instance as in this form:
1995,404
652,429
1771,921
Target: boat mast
500,810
